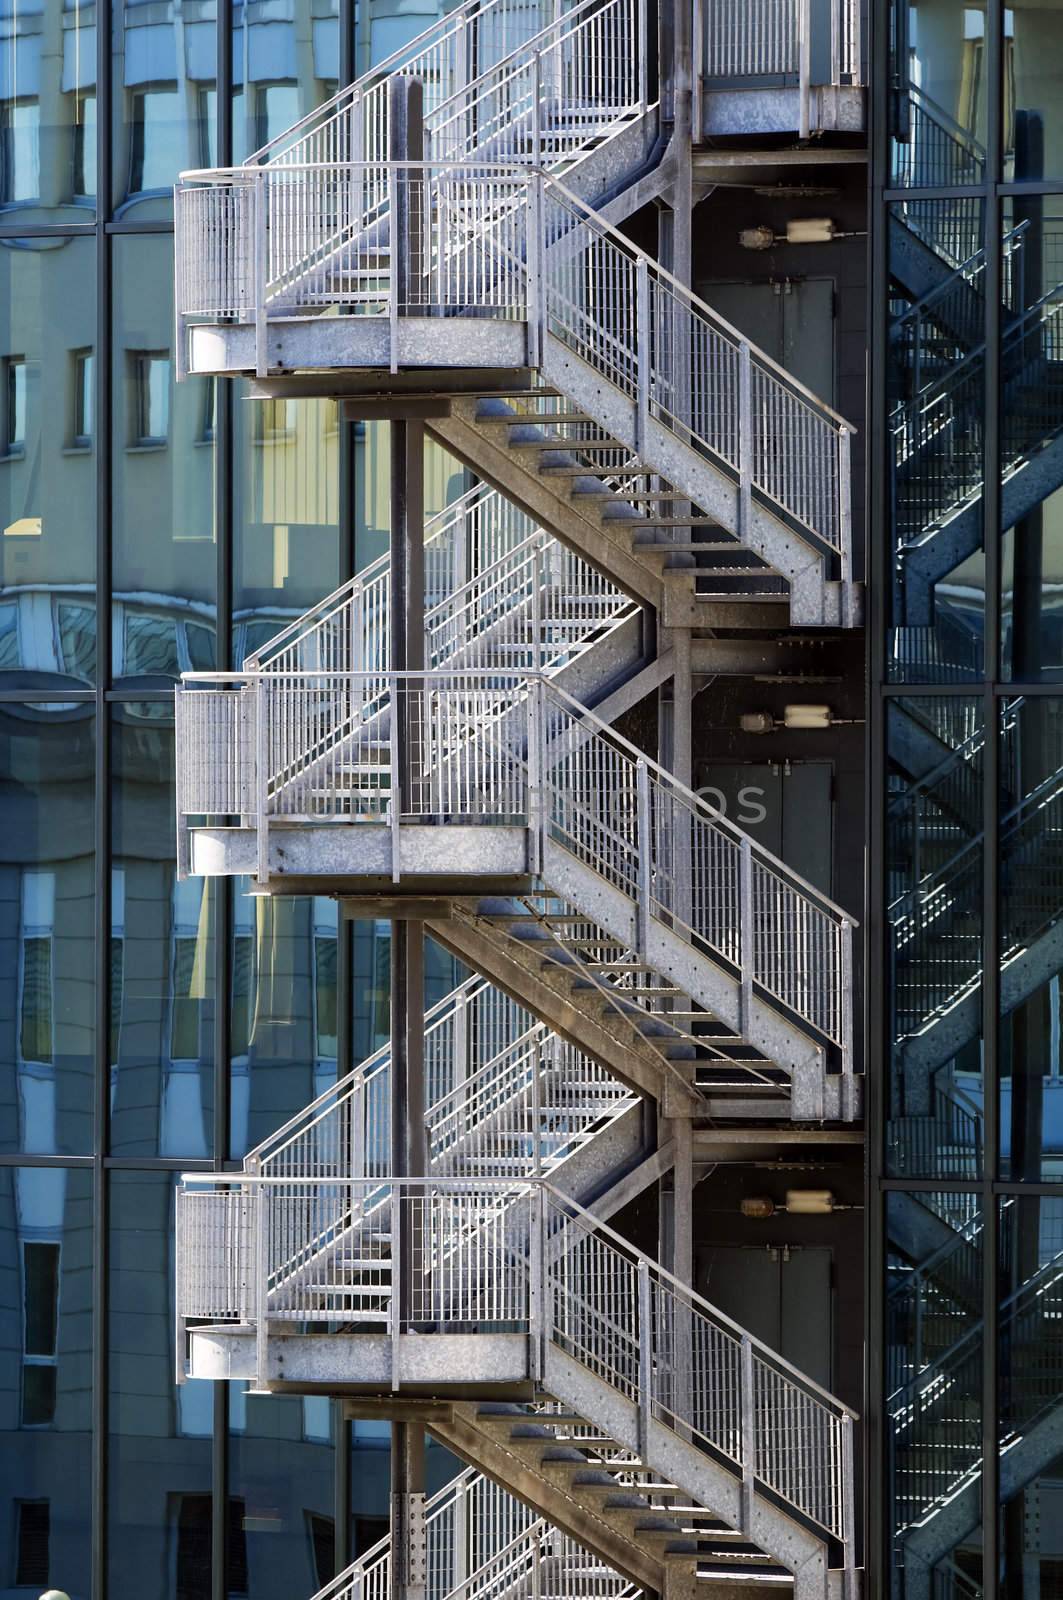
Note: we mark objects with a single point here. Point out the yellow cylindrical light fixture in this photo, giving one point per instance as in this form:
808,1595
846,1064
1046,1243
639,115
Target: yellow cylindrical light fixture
759,1206
806,716
809,1202
810,230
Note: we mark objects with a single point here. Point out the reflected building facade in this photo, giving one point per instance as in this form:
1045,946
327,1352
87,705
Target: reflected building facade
967,1183
146,1026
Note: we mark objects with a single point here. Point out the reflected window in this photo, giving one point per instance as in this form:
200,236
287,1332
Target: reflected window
14,399
151,396
322,1534
207,99
9,646
276,419
85,147
34,1533
36,1042
84,380
157,124
20,150
40,1323
76,626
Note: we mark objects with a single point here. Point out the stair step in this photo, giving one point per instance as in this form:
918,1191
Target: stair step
555,417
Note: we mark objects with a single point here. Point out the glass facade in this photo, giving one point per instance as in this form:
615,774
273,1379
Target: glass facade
149,1026
966,1157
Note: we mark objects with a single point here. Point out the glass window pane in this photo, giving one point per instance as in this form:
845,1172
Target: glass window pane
165,551
47,490
162,1081
287,80
287,545
1031,901
164,76
936,422
1032,442
936,750
933,1363
1033,86
159,1444
45,1446
48,111
283,1010
282,1496
47,883
938,106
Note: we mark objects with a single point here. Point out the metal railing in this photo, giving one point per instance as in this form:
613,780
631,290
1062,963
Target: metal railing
510,749
532,604
515,244
770,39
459,1255
482,1544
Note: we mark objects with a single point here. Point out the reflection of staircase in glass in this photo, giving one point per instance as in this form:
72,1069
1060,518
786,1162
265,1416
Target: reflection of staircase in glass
935,1409
935,912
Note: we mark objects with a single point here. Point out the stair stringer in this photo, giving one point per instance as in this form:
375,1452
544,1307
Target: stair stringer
692,1470
460,1433
607,1037
547,504
814,1096
941,551
922,1056
919,268
815,600
960,1516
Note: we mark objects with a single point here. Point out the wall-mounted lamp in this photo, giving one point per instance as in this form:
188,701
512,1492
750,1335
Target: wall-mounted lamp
806,717
799,1203
799,230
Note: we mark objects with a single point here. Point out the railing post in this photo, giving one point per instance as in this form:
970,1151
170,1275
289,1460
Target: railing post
745,437
845,523
642,354
537,1331
262,1288
645,1357
746,953
461,1564
642,48
537,1565
534,272
804,68
262,710
845,1020
398,1224
536,777
398,714
261,237
848,1509
748,1423
537,109
644,834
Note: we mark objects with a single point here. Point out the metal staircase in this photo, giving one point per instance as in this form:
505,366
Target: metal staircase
934,915
668,418
935,1331
657,460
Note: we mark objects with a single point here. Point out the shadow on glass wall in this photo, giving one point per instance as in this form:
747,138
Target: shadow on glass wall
45,1455
936,426
933,1357
936,754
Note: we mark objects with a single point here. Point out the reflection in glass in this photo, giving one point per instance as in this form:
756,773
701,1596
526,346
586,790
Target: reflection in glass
164,64
284,1010
936,751
287,545
45,1461
165,554
47,1015
159,1443
48,110
47,493
933,1358
938,110
1031,891
1031,1392
162,941
936,425
277,80
1033,79
282,1494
